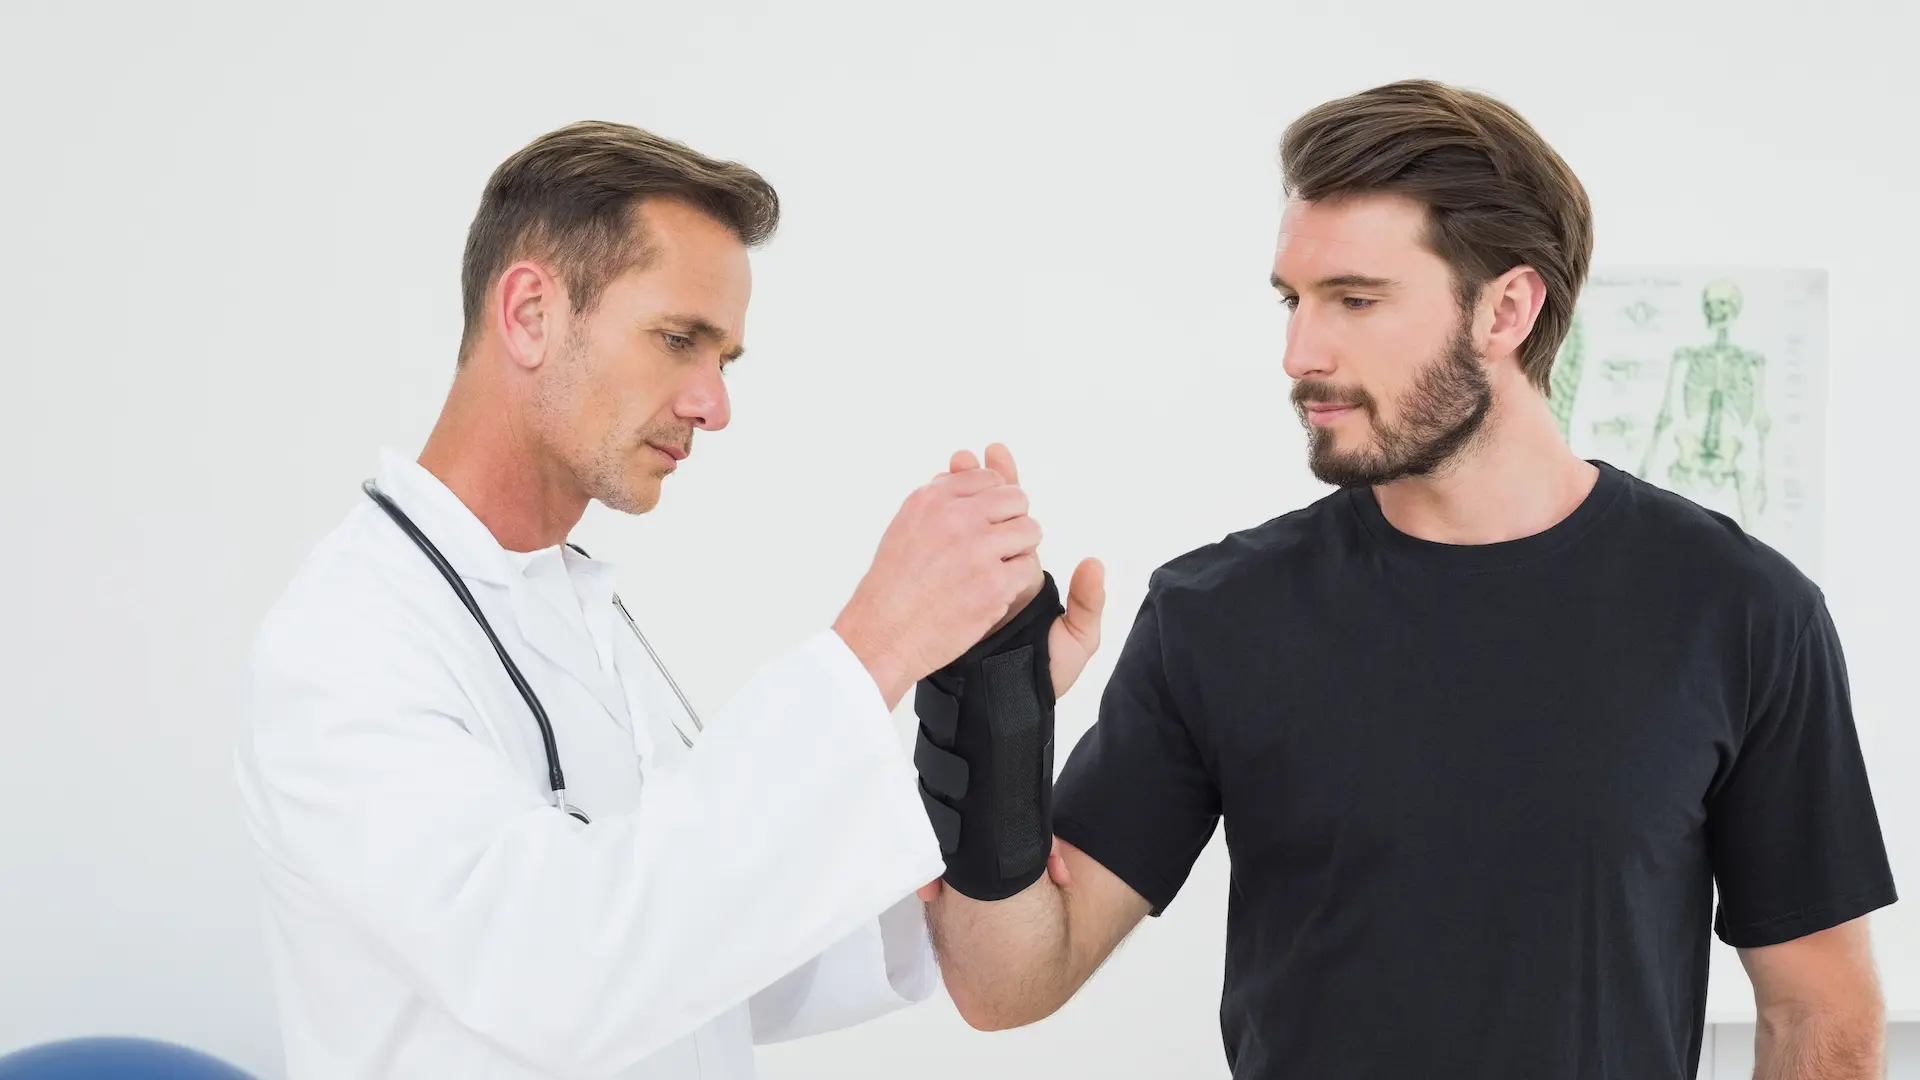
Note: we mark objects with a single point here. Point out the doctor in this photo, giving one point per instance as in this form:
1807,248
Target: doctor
496,840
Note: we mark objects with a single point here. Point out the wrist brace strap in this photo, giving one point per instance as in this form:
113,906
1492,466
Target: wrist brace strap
985,755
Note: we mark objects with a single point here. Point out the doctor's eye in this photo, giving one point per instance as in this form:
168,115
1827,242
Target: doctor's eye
677,342
1290,302
1358,303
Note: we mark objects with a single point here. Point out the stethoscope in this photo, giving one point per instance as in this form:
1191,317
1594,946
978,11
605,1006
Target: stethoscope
555,778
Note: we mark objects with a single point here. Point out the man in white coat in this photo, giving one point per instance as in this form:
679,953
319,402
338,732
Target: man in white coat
436,907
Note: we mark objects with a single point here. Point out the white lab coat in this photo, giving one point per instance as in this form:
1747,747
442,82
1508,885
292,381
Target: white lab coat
432,915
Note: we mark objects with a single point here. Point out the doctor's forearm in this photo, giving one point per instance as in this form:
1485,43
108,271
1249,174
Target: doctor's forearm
1006,963
583,950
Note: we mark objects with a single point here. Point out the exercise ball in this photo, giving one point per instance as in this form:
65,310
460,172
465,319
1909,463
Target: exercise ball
109,1058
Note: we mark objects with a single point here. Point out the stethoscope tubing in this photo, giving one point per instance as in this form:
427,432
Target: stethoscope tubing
555,777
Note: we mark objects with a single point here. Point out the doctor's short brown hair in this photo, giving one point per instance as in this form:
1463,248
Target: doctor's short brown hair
568,200
1497,196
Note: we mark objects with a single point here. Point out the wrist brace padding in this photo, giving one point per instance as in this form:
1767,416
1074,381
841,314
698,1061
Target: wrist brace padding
985,755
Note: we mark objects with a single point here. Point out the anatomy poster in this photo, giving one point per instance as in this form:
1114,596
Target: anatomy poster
1708,382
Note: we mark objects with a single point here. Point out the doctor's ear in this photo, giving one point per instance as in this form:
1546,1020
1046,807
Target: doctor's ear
529,314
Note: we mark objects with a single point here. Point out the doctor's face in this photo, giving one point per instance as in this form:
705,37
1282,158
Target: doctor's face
1388,378
641,371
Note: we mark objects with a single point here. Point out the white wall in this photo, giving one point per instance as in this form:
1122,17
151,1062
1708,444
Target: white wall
231,251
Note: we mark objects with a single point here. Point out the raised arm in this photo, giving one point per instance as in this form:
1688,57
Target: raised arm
582,949
577,949
1011,962
1014,959
1135,788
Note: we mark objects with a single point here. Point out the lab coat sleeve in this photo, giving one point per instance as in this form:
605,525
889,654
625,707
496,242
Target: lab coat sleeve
885,965
577,949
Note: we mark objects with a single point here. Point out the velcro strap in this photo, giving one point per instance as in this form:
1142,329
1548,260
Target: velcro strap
943,770
944,819
938,710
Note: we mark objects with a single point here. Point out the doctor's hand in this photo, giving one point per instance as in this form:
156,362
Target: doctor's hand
951,563
1075,636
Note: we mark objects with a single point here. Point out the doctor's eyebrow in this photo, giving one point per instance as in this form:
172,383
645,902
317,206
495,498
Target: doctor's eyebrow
696,327
1340,281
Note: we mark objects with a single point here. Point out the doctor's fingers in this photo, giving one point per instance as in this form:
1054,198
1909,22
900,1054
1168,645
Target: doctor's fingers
1013,538
962,484
999,459
1003,503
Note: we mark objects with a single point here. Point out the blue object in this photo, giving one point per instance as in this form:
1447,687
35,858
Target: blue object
111,1058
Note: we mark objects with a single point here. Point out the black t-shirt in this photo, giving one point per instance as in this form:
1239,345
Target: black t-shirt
1477,797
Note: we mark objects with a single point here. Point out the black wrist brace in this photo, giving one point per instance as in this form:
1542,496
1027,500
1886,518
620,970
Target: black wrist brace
985,755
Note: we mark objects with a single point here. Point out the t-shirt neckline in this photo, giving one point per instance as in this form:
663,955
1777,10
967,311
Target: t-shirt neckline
1501,554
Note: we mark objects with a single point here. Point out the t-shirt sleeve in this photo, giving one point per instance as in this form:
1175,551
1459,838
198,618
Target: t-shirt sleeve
1136,794
1795,839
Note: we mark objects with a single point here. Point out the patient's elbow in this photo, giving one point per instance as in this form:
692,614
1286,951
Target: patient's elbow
980,1019
983,1013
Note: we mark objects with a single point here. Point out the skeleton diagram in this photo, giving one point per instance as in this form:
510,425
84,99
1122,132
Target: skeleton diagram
1715,411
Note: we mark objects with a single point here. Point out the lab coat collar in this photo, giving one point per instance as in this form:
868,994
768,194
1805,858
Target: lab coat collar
466,542
568,645
476,555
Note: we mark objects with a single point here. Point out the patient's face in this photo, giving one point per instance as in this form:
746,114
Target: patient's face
1387,377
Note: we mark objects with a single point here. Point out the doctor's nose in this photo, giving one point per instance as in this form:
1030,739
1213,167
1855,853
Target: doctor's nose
703,402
